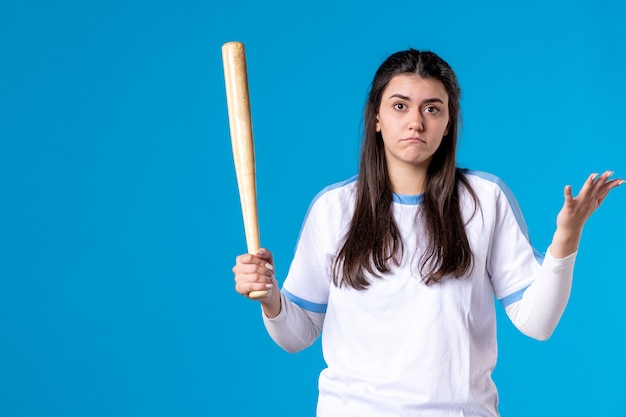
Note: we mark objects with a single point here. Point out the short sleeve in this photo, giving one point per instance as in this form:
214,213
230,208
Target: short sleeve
512,260
310,273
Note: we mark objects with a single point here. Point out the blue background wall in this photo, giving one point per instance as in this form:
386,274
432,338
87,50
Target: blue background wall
119,212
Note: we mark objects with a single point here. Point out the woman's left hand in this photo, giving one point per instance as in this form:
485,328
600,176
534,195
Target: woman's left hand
576,211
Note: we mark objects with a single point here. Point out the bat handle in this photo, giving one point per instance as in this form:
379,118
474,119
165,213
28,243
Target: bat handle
256,295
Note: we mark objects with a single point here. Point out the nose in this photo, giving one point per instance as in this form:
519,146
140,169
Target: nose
417,122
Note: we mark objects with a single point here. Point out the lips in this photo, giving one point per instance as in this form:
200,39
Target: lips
414,139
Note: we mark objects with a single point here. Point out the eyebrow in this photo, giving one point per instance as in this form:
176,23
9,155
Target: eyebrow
427,100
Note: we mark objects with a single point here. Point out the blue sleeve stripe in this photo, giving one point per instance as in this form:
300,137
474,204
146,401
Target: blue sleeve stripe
511,298
307,305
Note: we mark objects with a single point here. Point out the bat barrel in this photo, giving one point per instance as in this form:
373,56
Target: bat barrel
240,120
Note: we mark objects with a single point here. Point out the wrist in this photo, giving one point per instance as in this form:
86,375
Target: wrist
271,305
565,242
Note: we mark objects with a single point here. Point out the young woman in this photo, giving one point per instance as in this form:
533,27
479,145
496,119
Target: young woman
399,267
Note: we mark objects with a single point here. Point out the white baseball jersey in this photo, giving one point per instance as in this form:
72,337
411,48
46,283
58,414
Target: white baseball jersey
401,348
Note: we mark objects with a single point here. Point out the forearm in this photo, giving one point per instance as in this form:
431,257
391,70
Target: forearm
293,328
541,307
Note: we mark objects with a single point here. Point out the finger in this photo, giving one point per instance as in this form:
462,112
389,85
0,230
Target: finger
607,187
606,175
266,255
267,259
567,194
588,185
602,179
246,288
257,268
595,183
608,184
616,183
591,189
244,285
246,261
603,184
248,258
252,264
253,272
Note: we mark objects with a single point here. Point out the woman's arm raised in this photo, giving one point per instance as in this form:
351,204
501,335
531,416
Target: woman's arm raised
541,307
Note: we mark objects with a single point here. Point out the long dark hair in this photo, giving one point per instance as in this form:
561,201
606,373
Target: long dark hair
373,240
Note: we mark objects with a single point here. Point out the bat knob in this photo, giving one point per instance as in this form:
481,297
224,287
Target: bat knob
255,295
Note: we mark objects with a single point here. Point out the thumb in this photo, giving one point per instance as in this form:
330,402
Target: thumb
567,194
265,255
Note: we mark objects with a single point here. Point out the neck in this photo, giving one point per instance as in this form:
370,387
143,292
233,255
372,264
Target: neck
408,179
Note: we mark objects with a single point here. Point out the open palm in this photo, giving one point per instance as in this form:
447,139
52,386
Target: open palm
576,210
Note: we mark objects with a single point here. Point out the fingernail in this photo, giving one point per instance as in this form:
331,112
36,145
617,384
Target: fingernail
268,286
269,266
260,252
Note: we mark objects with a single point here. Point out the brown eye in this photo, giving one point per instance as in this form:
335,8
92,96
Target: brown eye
399,106
431,109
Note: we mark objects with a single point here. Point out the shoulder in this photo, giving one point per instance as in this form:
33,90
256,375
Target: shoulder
336,193
491,188
334,200
487,185
480,180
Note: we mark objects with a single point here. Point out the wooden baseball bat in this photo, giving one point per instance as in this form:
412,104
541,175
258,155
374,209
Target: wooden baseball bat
240,120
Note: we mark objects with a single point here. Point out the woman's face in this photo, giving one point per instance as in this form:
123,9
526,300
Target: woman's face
413,119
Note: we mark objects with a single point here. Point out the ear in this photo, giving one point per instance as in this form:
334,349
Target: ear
377,124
